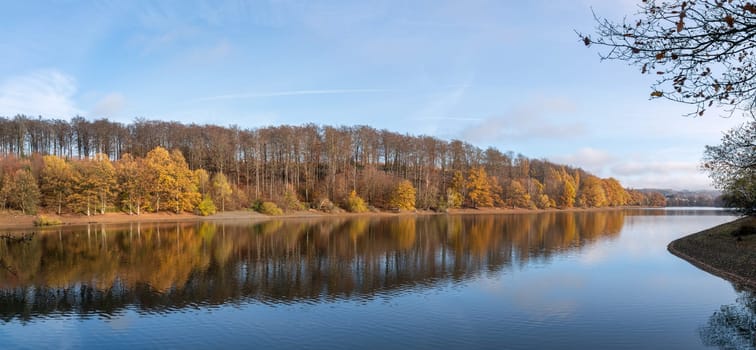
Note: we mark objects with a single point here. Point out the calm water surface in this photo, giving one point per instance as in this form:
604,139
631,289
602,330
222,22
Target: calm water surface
598,280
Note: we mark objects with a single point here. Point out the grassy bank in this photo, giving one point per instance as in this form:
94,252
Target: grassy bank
727,250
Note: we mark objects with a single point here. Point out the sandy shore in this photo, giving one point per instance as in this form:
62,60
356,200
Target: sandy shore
16,220
718,251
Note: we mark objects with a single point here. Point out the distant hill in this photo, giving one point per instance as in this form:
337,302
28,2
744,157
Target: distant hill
688,198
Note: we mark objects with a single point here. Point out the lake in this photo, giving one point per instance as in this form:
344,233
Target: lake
558,280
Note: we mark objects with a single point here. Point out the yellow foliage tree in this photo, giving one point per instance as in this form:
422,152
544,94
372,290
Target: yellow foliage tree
355,203
104,180
518,196
478,188
133,179
172,182
202,181
158,163
496,192
567,197
403,196
616,195
592,193
94,185
55,182
185,195
22,191
221,190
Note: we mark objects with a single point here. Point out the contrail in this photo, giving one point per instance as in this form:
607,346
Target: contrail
291,93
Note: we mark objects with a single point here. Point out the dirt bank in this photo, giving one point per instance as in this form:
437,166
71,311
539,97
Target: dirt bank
15,220
727,250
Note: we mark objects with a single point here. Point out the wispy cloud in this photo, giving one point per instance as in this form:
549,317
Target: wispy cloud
440,104
109,105
638,170
450,118
634,168
531,120
254,95
591,159
47,93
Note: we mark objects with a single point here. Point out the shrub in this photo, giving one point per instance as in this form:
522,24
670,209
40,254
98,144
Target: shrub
206,207
291,202
355,203
43,220
270,208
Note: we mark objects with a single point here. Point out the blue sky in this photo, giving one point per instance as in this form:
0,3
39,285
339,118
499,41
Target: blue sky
508,74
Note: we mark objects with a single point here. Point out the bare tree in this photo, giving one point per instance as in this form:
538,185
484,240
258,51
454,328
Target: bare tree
702,52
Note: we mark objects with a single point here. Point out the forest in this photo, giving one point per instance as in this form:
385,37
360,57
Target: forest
97,166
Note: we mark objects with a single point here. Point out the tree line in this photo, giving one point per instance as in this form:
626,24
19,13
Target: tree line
91,167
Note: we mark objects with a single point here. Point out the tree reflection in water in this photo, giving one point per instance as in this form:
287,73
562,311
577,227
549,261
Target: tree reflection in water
733,326
158,267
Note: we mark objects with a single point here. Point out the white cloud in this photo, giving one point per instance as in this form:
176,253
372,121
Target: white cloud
48,93
639,170
635,168
590,159
532,120
694,180
109,105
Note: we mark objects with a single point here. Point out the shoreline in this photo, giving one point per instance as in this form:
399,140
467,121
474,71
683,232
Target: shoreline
21,221
719,252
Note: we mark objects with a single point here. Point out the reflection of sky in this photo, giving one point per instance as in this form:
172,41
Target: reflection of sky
629,284
624,292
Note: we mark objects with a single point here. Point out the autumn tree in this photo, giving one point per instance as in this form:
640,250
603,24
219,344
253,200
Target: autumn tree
403,196
5,188
567,197
553,183
55,182
104,180
23,192
517,196
355,203
497,192
701,52
202,181
83,198
133,180
732,166
478,188
184,194
221,190
206,206
538,197
455,194
656,199
615,195
163,184
290,200
592,193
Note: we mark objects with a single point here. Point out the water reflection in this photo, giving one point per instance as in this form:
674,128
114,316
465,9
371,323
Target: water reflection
733,326
158,267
